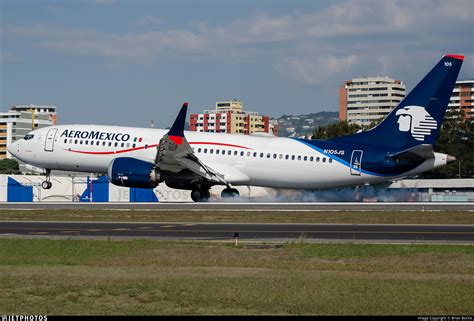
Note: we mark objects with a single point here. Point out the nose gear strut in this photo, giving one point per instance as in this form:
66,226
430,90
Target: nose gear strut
47,183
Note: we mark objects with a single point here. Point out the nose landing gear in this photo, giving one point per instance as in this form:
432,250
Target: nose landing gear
47,183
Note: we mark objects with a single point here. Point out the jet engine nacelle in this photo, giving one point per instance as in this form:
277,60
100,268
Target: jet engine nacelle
132,172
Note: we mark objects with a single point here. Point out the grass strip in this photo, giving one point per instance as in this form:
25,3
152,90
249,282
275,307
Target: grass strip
354,217
198,278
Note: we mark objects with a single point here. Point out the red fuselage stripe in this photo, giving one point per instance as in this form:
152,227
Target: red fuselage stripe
151,146
113,152
219,144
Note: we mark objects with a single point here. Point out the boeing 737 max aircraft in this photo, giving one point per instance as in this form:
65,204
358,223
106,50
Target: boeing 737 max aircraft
401,145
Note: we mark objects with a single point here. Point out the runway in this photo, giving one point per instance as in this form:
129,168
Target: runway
242,206
246,232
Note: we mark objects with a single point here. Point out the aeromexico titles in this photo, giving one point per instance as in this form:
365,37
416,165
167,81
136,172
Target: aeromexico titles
401,145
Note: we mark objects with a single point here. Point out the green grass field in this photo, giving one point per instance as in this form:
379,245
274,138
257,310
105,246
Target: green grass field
353,217
40,276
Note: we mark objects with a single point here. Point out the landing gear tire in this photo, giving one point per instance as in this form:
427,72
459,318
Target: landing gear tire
199,195
229,193
46,185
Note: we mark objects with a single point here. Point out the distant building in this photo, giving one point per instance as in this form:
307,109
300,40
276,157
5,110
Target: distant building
463,97
436,190
19,121
48,110
230,117
363,100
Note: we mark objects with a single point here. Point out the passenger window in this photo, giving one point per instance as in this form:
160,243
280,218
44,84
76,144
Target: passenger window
80,142
269,155
324,159
248,154
65,141
255,154
317,159
123,144
299,157
98,143
292,157
274,156
86,142
305,158
199,150
235,153
205,150
75,142
110,144
287,156
241,153
281,156
261,154
217,152
229,152
211,151
330,160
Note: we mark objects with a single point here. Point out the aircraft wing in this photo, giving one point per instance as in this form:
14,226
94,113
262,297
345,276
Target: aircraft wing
417,153
175,154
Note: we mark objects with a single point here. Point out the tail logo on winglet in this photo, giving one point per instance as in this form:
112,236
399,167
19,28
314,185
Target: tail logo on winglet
417,121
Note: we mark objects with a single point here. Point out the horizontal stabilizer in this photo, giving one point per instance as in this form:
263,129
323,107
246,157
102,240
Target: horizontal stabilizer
414,154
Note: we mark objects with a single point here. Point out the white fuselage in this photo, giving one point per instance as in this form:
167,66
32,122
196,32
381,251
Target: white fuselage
243,160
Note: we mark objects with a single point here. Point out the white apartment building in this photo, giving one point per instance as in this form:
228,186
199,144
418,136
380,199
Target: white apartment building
19,121
463,97
363,100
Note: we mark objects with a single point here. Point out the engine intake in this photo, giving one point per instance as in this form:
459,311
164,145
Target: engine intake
132,172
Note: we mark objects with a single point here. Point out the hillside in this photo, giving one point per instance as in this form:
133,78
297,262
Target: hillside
300,125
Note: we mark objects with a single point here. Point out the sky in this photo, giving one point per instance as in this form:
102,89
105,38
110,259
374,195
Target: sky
124,62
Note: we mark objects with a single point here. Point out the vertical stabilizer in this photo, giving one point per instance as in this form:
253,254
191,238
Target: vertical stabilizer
418,117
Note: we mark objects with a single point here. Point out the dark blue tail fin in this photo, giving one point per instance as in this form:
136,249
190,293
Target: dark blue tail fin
418,117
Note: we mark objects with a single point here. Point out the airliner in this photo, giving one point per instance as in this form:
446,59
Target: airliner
401,145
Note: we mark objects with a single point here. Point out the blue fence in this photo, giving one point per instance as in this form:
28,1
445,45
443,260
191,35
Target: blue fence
17,192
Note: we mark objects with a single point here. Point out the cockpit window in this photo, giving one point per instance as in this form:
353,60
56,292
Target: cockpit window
28,136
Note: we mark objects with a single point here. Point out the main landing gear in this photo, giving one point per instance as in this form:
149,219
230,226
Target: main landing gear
229,193
200,195
203,194
47,183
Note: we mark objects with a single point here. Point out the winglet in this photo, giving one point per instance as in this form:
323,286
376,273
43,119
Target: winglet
176,132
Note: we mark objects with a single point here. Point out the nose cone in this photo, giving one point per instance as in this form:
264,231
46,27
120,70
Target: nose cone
13,149
450,159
